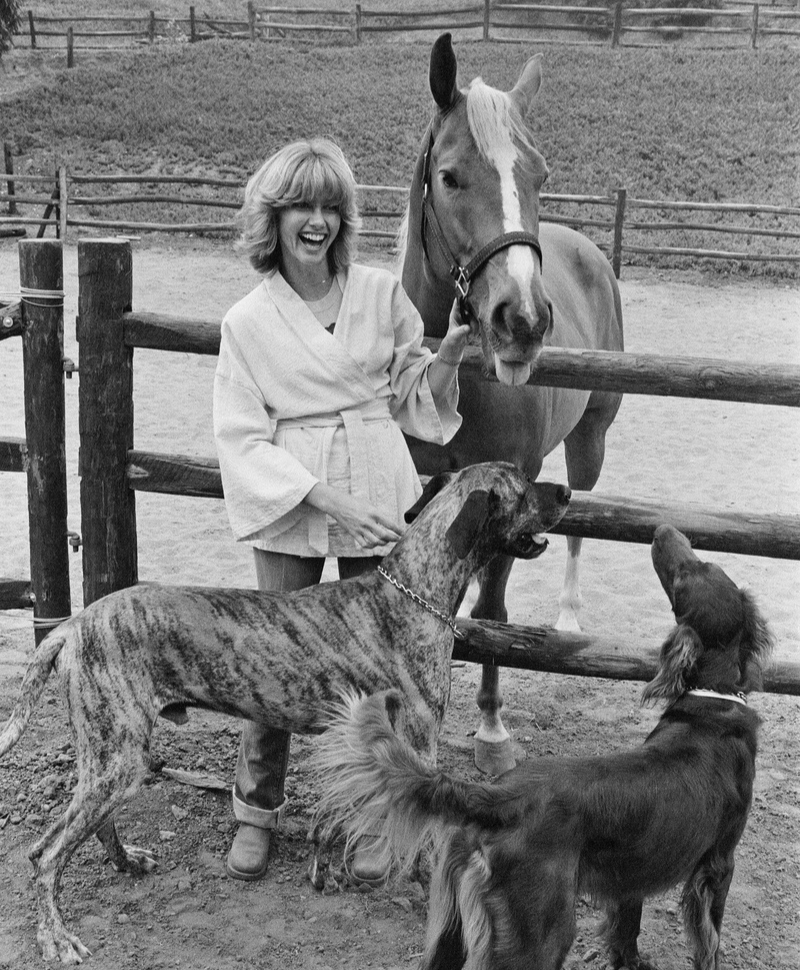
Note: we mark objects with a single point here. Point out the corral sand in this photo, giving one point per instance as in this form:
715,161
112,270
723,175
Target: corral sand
732,457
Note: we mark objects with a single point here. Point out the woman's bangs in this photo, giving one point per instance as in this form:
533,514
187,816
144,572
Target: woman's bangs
316,182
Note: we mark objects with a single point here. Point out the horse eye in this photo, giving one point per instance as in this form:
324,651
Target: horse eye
448,180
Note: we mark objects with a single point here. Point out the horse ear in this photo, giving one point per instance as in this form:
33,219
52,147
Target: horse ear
443,72
527,87
467,525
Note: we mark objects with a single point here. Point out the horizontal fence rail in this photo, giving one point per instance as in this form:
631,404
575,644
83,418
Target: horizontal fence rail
693,377
550,651
113,470
621,225
744,22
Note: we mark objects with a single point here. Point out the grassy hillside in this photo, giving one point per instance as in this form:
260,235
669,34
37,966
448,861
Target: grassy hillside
667,123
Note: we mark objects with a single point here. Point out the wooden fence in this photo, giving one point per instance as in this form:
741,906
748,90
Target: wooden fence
614,24
38,317
113,470
621,229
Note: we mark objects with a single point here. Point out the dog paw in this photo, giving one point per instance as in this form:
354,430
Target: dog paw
62,947
137,860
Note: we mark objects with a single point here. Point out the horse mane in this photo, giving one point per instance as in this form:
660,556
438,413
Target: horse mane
401,244
492,118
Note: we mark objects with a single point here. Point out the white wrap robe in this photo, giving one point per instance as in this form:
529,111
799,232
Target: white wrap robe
295,405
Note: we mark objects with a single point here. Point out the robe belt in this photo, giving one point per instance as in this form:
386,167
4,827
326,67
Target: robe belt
352,419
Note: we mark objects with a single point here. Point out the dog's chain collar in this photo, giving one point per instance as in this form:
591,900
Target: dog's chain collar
458,634
739,696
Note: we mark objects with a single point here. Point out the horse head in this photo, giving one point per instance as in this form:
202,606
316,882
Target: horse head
474,210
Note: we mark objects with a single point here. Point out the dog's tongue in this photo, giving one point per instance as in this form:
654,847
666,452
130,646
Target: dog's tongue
512,372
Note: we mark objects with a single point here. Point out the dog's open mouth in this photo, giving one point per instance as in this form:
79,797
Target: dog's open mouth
529,546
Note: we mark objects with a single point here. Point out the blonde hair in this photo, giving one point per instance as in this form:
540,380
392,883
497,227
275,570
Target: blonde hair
313,170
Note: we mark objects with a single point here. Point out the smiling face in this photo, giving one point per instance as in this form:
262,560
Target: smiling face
306,232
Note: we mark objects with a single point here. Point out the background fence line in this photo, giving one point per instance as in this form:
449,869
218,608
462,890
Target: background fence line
65,204
609,24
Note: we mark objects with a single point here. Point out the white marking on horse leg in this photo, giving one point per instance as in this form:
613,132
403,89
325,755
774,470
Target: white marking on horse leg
570,600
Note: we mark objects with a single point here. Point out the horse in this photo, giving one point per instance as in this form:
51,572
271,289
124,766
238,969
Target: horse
472,232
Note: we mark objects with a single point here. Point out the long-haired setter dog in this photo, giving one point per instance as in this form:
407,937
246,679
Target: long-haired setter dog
513,856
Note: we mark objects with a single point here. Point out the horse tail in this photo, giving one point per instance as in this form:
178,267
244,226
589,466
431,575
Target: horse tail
375,785
32,686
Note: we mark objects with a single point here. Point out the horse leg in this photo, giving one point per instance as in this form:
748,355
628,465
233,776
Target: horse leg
584,450
493,750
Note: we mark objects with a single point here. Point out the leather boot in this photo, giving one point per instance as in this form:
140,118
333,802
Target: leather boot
249,854
370,862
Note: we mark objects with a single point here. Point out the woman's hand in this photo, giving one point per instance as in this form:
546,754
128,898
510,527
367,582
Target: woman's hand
444,368
368,526
454,342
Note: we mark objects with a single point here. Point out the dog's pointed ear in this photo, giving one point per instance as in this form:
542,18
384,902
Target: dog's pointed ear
755,645
679,654
431,488
469,522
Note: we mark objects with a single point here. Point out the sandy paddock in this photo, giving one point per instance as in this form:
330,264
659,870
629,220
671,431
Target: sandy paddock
735,457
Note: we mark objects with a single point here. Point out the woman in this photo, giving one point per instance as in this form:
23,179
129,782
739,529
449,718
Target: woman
321,368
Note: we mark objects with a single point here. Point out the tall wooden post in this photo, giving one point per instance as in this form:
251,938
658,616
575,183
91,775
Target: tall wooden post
70,47
619,219
41,277
251,19
192,26
754,30
8,161
151,27
617,28
358,23
63,203
486,14
108,509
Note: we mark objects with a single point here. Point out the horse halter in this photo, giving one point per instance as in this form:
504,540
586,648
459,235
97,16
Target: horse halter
463,275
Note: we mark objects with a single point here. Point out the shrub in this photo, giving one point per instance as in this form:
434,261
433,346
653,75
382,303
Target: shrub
9,23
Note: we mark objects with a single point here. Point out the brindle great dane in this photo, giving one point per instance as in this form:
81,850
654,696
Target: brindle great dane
277,658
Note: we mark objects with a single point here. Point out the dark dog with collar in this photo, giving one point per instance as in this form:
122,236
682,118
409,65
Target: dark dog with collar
277,658
513,856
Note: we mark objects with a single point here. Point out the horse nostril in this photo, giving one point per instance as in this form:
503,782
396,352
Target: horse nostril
564,494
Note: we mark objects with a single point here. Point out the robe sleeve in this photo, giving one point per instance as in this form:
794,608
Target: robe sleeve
413,405
262,482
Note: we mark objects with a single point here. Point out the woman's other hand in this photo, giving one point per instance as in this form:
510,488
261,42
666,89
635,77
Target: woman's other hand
364,522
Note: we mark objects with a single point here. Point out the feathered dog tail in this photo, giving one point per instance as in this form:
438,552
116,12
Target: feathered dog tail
32,686
375,784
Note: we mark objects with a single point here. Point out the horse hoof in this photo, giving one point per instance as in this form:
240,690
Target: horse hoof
493,757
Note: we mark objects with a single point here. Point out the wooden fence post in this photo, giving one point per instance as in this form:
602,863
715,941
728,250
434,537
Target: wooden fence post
151,27
192,26
754,31
8,160
105,421
619,218
486,7
358,23
41,273
62,203
70,47
251,18
32,28
617,28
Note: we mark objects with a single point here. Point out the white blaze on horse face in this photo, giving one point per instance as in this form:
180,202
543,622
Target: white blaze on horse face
521,267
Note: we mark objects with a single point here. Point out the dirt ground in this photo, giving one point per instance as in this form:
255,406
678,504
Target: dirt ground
188,914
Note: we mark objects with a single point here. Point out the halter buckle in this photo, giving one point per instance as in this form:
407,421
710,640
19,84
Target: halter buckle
462,281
